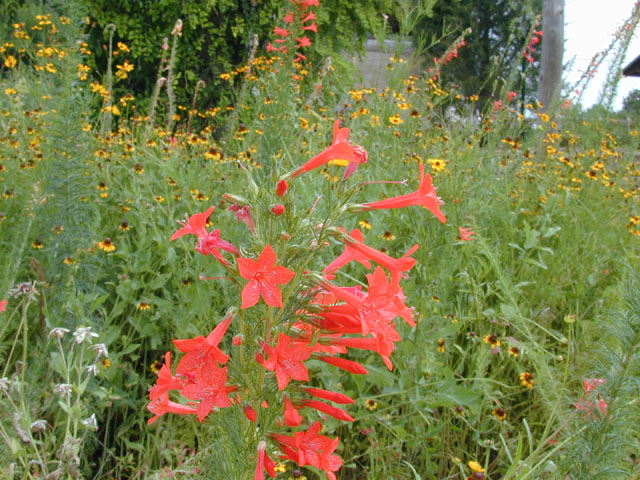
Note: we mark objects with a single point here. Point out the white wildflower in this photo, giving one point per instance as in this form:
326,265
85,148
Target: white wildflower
5,383
64,389
93,369
91,423
83,333
38,426
101,349
58,332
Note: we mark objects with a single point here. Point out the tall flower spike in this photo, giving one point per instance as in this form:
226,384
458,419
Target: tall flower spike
340,149
425,196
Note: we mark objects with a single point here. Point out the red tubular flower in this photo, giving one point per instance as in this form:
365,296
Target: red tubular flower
291,416
309,448
3,305
166,381
335,412
162,405
310,16
465,234
209,243
303,42
339,149
243,214
329,395
344,364
210,389
250,413
281,32
395,266
202,351
259,473
264,277
286,359
425,196
349,254
313,27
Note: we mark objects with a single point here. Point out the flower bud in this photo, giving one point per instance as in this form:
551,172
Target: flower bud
278,209
281,187
237,199
238,340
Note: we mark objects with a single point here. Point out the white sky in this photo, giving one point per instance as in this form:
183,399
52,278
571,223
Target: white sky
589,28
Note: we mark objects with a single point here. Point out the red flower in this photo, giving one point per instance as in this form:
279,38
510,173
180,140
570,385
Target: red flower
3,305
281,32
349,254
328,395
202,351
210,389
264,277
465,234
291,416
166,381
339,149
303,42
344,364
281,188
250,413
425,196
243,214
278,209
286,359
590,384
288,18
162,405
329,410
313,27
208,243
309,448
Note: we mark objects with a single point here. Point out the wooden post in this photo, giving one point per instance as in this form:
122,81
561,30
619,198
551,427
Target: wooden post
552,51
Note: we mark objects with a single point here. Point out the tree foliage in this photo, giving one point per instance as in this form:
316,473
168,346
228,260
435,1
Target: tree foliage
216,35
493,50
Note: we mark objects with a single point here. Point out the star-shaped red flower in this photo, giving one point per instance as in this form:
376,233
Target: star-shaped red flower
264,277
287,360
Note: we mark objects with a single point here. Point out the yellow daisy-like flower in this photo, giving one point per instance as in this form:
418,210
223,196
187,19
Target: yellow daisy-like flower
527,380
10,61
69,261
475,466
107,245
364,224
124,226
514,352
122,47
499,413
106,363
437,164
492,340
37,244
371,404
159,198
441,346
142,306
10,91
388,236
395,119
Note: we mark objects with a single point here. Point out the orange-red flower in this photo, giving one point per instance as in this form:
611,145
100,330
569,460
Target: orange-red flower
309,448
3,305
286,359
465,234
209,243
425,196
340,149
202,352
209,387
264,277
162,405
